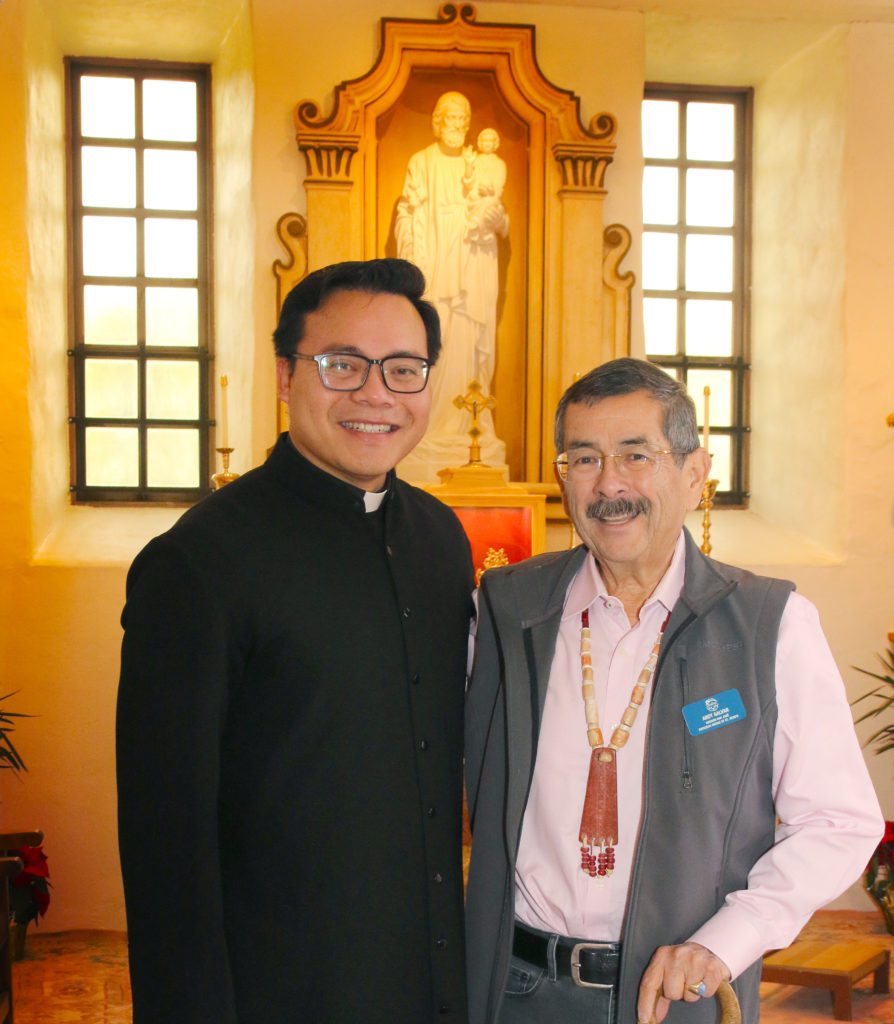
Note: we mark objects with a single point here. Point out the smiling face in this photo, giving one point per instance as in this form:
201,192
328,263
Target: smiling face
357,436
630,523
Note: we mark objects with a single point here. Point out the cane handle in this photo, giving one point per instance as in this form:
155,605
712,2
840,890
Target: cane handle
729,1005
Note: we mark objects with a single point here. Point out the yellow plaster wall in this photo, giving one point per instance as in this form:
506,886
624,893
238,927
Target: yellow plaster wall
828,137
800,236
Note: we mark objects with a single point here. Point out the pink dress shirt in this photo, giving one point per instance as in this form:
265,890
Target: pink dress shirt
829,817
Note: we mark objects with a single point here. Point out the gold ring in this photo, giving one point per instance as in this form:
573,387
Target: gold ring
698,990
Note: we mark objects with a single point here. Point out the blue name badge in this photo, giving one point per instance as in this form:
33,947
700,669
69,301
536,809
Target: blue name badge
713,712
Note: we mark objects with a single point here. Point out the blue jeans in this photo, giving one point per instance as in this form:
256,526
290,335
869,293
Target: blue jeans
535,995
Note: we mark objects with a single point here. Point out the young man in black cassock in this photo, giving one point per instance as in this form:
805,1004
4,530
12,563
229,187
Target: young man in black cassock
290,706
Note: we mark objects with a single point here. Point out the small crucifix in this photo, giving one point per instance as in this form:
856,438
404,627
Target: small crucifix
475,401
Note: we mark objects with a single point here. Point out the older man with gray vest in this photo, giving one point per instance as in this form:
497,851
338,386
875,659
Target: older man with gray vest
663,775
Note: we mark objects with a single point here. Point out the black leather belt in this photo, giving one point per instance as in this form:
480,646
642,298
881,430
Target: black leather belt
589,964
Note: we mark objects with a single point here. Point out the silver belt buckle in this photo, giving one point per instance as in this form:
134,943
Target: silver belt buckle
575,963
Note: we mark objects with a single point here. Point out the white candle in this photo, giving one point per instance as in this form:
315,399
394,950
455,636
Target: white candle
223,413
707,430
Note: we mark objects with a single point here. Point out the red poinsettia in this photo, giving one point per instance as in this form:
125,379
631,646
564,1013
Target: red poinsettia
29,892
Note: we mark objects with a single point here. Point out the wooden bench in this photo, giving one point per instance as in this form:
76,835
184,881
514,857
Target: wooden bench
832,965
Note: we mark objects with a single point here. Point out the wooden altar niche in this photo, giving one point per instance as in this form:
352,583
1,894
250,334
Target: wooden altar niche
563,305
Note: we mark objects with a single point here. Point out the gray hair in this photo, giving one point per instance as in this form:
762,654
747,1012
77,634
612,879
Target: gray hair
623,377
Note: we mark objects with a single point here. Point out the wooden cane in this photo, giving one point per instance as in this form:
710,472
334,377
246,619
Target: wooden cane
729,1005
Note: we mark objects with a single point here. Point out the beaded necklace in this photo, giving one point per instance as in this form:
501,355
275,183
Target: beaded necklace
599,821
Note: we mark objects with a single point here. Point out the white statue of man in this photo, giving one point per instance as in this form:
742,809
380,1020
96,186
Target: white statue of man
447,224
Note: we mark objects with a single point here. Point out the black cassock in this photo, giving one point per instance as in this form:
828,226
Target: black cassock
289,756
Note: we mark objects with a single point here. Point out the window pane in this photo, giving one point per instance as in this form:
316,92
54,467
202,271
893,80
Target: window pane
112,455
661,128
172,316
172,457
110,246
710,198
720,410
659,260
110,388
108,176
171,248
710,131
172,390
660,195
110,315
170,180
709,263
721,449
709,327
660,321
169,110
107,107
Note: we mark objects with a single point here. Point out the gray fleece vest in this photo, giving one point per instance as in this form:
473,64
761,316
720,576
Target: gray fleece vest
708,812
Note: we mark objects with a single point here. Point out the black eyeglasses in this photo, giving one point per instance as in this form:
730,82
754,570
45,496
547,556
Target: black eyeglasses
345,371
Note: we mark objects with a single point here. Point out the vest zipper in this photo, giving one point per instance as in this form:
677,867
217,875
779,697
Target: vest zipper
685,769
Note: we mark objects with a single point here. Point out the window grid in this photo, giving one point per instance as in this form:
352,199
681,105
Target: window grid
141,354
682,362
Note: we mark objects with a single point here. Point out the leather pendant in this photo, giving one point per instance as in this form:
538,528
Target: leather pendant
599,821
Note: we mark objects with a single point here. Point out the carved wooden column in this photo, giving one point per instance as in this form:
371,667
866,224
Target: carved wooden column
329,186
581,194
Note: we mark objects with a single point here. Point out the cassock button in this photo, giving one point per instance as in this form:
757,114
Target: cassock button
406,613
431,812
423,744
441,943
438,878
444,1009
388,549
416,679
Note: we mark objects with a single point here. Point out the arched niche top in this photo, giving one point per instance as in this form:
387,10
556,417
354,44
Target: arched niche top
456,35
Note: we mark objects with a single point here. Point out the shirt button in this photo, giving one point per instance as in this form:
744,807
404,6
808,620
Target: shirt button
423,744
444,1009
431,812
416,679
388,549
441,943
406,613
438,878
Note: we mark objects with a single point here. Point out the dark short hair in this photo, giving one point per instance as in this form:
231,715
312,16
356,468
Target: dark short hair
623,377
384,276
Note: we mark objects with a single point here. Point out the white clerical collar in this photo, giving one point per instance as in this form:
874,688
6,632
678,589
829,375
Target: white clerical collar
373,500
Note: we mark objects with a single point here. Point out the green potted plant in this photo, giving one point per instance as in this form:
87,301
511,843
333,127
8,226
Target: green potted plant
29,894
9,756
878,879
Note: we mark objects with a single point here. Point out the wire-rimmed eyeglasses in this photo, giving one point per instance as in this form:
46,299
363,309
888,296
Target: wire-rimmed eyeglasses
347,371
631,460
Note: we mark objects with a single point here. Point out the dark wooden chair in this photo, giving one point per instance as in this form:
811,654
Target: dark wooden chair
10,866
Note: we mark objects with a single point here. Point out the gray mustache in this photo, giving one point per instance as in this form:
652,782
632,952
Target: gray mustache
609,507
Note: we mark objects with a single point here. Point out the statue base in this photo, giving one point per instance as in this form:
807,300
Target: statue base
427,472
431,457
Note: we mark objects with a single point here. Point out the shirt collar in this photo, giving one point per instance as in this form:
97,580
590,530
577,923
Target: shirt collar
316,485
587,585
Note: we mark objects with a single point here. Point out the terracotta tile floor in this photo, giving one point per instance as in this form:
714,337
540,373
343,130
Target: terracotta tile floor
72,978
81,978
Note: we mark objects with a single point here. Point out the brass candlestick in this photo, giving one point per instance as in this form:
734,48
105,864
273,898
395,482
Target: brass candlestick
707,503
475,401
226,477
